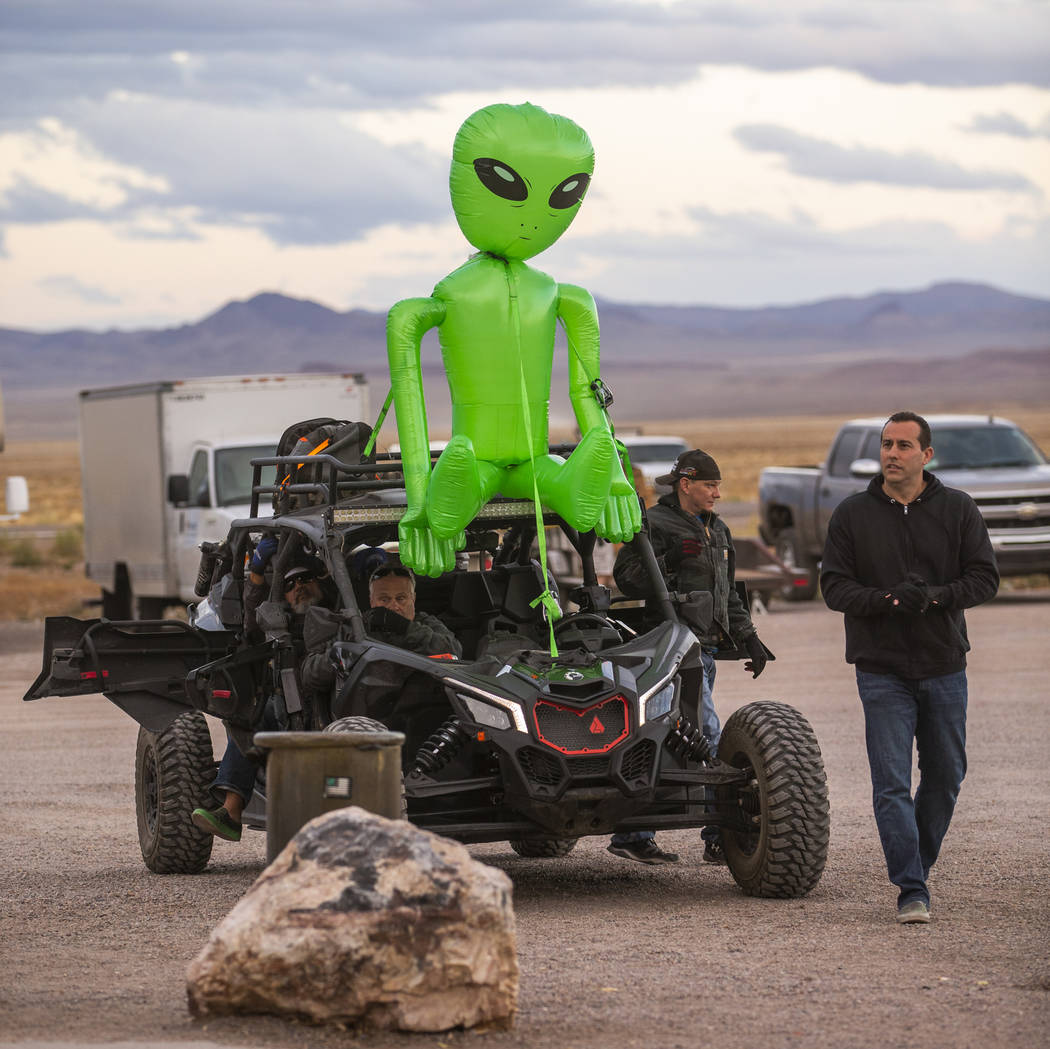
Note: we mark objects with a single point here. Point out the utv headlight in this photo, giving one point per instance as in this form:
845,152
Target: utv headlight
486,708
660,702
484,713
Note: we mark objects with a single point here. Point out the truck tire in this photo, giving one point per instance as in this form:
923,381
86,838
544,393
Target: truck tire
782,851
549,847
174,770
117,604
787,549
363,724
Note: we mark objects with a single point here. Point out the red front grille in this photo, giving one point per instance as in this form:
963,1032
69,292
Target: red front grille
594,730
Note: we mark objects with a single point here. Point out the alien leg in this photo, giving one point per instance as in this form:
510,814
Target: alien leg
577,488
459,486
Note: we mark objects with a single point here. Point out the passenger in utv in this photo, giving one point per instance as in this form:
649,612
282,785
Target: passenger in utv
415,705
392,619
303,589
902,560
694,549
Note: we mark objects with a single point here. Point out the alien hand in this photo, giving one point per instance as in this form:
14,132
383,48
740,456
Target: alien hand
421,550
620,519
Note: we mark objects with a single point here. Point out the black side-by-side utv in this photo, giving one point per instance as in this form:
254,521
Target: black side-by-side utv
526,747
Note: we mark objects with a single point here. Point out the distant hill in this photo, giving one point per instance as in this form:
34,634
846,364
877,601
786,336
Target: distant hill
953,343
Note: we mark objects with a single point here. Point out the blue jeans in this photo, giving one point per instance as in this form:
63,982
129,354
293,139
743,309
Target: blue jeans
236,773
932,712
711,728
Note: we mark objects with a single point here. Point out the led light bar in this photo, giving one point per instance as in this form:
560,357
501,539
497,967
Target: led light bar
513,508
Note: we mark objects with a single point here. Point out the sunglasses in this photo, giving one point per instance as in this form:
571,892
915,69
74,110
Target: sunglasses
299,580
385,570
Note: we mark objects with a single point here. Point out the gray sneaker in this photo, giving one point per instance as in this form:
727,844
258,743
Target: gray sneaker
914,913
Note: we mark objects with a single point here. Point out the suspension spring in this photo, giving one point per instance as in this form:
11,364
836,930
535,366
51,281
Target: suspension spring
441,747
687,742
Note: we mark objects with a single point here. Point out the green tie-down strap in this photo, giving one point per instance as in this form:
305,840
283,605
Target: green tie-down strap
547,599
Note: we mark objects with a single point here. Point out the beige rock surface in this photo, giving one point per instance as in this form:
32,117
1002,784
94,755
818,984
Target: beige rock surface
366,920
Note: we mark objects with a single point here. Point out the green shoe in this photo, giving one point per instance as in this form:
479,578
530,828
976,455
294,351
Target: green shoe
218,822
914,913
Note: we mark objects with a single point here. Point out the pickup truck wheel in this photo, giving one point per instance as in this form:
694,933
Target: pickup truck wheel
780,849
174,770
363,724
548,847
787,549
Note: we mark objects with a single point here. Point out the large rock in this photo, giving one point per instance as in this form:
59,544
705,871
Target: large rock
366,920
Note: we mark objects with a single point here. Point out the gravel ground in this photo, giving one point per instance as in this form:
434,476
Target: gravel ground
94,948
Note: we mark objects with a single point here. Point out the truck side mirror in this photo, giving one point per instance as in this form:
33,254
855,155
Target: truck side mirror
178,489
864,467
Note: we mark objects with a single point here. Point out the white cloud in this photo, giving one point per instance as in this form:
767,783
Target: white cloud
176,154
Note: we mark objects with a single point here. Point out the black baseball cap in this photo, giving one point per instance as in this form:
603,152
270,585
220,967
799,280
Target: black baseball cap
697,465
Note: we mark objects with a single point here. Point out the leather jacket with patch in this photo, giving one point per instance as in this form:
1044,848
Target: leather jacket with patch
713,571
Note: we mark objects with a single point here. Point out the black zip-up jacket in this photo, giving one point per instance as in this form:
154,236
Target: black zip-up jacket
714,570
874,542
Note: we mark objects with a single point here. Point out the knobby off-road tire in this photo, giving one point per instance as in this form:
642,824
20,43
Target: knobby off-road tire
548,847
363,724
786,547
174,770
783,851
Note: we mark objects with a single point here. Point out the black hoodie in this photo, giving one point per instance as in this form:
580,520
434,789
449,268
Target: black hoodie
874,543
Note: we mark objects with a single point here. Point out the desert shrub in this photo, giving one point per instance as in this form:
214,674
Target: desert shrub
24,554
68,546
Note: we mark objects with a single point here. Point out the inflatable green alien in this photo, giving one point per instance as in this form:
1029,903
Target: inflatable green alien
518,176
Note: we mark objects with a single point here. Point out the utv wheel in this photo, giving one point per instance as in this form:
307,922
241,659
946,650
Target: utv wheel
174,770
549,847
781,849
787,549
363,724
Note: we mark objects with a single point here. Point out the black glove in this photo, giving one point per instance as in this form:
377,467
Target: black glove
756,650
386,621
940,597
907,597
264,551
681,549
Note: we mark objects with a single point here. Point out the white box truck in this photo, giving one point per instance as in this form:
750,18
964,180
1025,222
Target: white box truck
166,465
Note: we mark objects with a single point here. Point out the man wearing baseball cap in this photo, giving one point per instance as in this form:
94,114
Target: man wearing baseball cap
695,551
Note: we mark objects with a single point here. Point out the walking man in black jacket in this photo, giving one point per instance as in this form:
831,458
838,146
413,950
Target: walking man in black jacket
902,560
694,549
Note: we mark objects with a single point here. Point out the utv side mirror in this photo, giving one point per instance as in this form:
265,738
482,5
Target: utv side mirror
178,489
697,609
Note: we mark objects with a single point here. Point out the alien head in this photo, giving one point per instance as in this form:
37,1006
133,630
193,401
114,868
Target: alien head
518,176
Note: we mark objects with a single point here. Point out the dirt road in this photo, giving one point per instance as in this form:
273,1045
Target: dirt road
94,948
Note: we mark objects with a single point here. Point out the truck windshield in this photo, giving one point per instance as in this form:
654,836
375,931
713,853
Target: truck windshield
233,472
982,448
655,453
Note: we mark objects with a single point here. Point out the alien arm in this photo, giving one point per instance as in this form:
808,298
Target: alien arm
579,317
406,324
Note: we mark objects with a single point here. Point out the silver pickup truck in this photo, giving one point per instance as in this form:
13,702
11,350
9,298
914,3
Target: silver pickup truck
991,458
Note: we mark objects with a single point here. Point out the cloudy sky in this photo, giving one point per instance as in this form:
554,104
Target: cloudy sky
160,157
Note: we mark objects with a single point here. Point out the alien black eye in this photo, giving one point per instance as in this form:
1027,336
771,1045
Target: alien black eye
501,179
570,191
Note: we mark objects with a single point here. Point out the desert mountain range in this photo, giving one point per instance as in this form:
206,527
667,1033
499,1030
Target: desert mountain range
952,345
